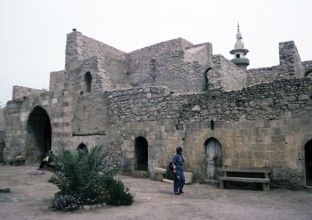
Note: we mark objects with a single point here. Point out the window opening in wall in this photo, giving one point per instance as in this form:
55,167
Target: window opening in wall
88,81
237,55
141,154
308,163
212,125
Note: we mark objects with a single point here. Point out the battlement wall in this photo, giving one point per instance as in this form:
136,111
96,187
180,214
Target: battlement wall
290,61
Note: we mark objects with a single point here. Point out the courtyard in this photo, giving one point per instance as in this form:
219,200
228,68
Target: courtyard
31,194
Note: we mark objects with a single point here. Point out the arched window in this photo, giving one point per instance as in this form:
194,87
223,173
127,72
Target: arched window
87,82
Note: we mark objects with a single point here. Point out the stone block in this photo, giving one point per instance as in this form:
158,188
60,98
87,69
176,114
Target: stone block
159,170
259,163
159,176
188,177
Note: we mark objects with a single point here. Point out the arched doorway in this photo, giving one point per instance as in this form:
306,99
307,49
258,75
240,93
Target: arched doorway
308,163
141,154
213,156
38,139
82,147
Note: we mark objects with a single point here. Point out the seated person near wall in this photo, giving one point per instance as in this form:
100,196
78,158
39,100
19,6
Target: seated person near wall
48,158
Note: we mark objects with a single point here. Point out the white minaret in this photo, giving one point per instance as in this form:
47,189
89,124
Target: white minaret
239,52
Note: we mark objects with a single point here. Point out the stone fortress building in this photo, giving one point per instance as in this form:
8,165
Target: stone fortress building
141,105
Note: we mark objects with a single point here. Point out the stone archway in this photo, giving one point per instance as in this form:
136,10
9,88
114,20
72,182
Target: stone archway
141,154
82,147
213,157
308,162
38,140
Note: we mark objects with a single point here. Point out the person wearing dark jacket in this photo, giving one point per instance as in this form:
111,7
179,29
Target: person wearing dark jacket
178,172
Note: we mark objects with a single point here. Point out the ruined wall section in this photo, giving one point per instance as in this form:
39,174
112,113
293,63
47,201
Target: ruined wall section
176,64
290,67
110,62
261,75
21,91
225,75
13,136
307,68
57,81
290,61
172,71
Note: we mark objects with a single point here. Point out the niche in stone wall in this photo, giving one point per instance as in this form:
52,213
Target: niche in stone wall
87,82
141,154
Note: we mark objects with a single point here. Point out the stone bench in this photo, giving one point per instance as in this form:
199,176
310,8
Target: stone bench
243,177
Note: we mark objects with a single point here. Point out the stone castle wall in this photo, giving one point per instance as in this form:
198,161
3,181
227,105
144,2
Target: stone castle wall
265,125
170,94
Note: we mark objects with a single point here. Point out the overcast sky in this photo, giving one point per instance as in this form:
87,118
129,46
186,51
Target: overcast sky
33,32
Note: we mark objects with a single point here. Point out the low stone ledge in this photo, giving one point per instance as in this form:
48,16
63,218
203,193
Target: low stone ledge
19,160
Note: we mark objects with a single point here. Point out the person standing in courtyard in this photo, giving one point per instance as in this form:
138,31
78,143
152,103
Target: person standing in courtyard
179,178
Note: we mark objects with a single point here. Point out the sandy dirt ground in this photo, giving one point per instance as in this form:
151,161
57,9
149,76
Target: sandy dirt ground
31,195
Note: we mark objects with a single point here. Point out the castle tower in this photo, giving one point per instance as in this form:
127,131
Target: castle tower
239,52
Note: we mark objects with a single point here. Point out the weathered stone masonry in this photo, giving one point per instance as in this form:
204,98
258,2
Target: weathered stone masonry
157,98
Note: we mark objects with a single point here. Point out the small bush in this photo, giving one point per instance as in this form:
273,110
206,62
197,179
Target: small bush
118,194
65,202
83,179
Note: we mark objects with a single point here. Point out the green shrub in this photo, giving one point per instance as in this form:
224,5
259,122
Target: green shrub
118,194
83,179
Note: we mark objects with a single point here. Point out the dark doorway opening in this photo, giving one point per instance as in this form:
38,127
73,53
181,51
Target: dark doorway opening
82,147
308,163
141,154
38,141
